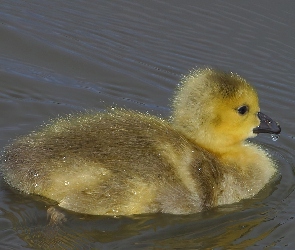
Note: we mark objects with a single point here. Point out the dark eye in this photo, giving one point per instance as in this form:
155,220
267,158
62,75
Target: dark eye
243,109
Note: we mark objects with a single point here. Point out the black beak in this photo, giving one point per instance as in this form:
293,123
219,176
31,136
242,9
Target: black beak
267,125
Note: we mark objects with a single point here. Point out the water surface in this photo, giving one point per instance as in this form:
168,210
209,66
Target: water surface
60,57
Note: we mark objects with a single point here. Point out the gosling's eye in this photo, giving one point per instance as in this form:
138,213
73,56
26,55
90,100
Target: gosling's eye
243,109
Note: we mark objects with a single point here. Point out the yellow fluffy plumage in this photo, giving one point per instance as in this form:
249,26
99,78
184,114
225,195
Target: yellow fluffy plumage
124,162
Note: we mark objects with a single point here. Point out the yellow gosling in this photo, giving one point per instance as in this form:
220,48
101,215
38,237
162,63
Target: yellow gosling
124,162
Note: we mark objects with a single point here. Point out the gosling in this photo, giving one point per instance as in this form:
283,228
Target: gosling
123,162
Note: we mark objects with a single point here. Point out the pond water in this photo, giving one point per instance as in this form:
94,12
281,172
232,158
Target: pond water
61,57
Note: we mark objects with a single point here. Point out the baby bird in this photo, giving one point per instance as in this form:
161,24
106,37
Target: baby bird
123,162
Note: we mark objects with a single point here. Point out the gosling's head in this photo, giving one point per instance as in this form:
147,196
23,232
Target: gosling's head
217,109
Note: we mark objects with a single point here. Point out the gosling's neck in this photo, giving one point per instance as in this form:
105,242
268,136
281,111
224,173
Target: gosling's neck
227,148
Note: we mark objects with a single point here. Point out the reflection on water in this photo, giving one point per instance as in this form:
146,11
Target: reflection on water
60,57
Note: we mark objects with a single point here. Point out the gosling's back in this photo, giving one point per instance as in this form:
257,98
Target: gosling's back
120,162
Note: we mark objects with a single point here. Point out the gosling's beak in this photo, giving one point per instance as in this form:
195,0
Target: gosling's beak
267,125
